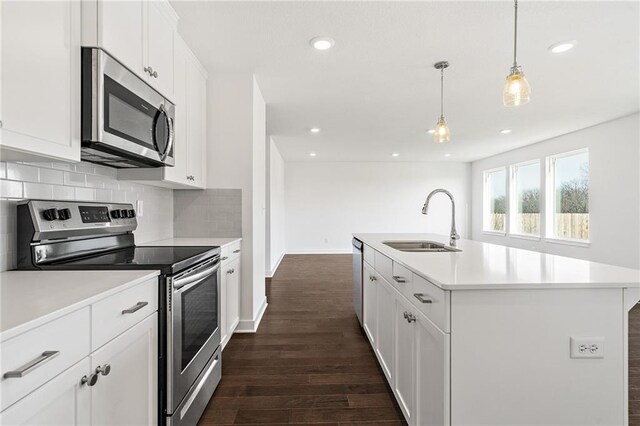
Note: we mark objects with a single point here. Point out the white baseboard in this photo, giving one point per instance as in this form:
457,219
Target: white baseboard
251,326
271,273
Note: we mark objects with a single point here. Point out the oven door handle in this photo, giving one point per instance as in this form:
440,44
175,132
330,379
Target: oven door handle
191,280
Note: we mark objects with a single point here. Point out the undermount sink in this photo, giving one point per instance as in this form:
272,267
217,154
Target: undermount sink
419,246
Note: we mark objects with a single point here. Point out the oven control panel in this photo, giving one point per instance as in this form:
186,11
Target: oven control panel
74,218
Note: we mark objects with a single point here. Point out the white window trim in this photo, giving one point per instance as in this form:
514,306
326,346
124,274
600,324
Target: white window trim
512,206
550,199
485,201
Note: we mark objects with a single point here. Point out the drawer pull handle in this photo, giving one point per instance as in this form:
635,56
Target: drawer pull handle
89,380
399,279
135,308
237,251
104,369
421,298
224,258
30,366
409,317
373,278
231,271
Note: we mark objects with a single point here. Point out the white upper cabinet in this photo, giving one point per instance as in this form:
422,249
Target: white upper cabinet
196,122
40,80
138,33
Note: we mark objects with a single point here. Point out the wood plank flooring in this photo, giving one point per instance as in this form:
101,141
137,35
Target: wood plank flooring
309,362
634,366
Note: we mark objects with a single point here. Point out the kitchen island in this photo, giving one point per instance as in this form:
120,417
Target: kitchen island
497,335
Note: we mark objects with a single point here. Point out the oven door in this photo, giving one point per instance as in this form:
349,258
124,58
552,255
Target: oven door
193,327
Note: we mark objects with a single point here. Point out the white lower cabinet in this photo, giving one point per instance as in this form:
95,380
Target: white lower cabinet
385,343
127,395
370,303
405,356
230,294
62,401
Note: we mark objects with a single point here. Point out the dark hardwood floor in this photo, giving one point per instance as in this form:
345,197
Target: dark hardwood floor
634,366
309,361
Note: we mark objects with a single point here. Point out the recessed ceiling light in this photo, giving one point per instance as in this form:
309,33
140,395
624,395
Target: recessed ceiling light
312,154
431,131
395,154
562,47
322,43
505,131
314,130
447,155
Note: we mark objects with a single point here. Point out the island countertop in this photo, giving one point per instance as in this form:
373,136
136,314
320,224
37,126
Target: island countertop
491,266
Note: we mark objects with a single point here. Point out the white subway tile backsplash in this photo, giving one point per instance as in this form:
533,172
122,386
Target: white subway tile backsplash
51,176
85,168
95,181
3,170
70,167
104,195
106,171
22,172
74,179
64,192
10,189
85,194
38,191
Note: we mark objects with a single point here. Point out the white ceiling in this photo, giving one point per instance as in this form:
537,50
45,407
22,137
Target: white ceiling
376,91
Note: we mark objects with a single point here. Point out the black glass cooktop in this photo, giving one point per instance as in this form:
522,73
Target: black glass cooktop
168,260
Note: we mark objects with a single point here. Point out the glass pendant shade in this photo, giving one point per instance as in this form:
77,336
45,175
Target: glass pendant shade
442,133
516,89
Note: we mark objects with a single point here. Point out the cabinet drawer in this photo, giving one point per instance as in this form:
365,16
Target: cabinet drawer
432,301
402,280
49,349
384,266
368,254
123,310
231,251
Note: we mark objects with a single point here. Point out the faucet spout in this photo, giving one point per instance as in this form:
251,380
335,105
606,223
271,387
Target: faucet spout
453,237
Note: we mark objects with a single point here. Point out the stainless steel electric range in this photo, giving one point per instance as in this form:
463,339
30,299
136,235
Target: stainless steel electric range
67,235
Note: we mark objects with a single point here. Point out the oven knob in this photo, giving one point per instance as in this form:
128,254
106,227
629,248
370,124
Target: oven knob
64,214
123,213
115,214
50,214
131,213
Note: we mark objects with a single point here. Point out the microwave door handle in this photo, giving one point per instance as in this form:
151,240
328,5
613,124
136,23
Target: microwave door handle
169,121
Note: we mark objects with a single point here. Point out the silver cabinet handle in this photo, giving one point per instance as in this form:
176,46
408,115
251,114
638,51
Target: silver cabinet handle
104,369
224,258
231,271
421,298
237,251
409,317
191,177
135,308
155,74
89,380
148,70
32,365
399,279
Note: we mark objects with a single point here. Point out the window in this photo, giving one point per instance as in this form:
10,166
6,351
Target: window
495,200
568,200
525,193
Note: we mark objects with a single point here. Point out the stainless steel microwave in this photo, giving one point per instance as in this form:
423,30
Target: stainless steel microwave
125,122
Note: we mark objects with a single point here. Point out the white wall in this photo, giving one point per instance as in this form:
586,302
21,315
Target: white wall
326,202
276,212
236,158
614,192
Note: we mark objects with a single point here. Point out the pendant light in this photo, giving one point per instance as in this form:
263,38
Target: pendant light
516,89
442,133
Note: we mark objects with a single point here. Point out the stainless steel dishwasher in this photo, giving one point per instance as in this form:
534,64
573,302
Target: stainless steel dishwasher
357,278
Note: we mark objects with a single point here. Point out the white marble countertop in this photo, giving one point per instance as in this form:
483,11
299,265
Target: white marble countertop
188,241
491,266
31,298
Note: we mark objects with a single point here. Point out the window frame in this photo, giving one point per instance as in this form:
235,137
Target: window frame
486,201
513,200
550,188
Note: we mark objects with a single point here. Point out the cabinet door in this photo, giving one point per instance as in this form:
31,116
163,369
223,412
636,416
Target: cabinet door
385,314
224,284
178,173
128,395
370,305
61,401
432,376
159,56
196,122
233,296
404,380
121,32
40,79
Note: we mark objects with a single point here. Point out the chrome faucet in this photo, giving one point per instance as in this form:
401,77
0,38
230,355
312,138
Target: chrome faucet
454,235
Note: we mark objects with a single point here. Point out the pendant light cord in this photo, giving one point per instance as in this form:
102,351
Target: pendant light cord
515,33
442,93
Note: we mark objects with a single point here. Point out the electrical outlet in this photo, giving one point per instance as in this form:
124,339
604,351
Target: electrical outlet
587,347
139,208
